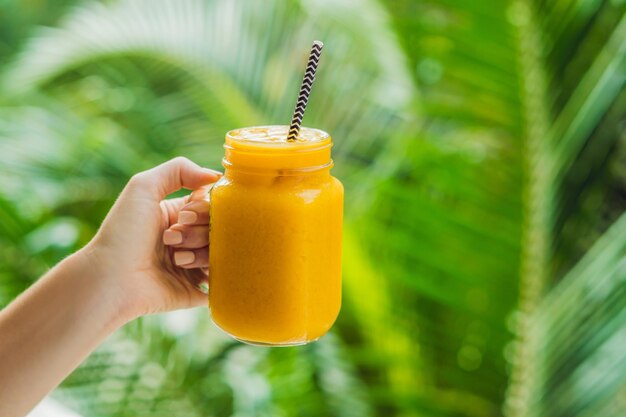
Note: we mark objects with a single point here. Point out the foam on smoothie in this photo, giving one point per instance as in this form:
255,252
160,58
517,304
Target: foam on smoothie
277,135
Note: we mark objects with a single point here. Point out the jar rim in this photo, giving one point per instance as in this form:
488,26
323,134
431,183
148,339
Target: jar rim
267,131
266,148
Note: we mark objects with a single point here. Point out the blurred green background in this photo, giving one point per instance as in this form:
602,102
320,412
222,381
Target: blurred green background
483,149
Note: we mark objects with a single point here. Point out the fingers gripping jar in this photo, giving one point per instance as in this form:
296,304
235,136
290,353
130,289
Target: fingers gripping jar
275,237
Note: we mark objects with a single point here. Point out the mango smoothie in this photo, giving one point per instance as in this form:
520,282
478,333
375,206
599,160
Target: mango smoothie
275,237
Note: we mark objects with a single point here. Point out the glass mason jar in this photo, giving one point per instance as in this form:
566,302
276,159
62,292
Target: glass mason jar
275,237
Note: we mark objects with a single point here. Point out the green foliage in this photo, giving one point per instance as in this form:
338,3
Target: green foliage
581,328
469,203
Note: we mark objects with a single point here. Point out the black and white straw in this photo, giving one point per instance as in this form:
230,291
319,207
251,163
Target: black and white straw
305,90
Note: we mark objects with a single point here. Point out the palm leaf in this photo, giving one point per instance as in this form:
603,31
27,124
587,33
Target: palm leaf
580,326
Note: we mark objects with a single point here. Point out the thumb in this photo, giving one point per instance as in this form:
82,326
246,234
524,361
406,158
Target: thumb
171,176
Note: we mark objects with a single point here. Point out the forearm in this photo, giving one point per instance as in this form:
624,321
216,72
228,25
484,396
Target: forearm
126,271
50,329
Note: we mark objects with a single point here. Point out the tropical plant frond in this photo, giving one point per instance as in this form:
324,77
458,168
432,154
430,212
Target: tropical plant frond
581,328
220,40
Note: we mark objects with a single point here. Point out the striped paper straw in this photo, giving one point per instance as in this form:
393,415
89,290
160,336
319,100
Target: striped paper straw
305,90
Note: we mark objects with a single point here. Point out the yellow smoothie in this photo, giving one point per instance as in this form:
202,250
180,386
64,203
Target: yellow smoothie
275,237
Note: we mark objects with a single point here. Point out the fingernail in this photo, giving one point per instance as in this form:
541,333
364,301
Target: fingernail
187,217
172,237
184,257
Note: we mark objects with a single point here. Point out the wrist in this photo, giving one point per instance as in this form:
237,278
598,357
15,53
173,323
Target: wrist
109,295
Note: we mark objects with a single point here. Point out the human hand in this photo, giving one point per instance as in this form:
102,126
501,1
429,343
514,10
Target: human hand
129,251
